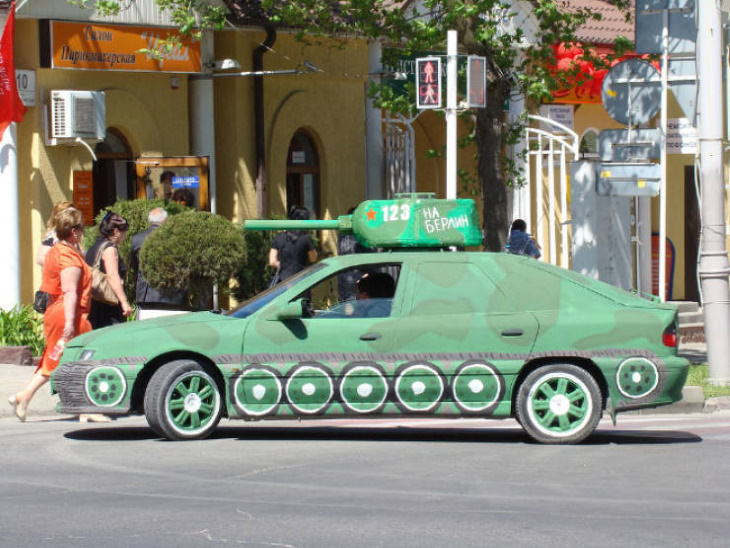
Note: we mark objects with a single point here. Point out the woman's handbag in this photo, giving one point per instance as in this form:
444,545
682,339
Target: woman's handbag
101,290
40,302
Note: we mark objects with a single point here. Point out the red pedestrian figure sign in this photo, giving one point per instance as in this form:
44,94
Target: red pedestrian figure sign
428,82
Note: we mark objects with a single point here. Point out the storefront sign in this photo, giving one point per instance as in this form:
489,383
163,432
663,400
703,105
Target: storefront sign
186,181
117,47
25,82
83,195
562,114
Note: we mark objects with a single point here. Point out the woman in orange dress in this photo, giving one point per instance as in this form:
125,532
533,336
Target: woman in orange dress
67,279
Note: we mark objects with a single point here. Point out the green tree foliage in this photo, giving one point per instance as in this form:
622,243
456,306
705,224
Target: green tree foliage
193,251
191,16
254,275
490,28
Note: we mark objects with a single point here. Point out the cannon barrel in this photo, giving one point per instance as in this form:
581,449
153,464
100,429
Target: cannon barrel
342,223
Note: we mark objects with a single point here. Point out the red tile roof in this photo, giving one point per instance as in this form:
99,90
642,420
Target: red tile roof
612,23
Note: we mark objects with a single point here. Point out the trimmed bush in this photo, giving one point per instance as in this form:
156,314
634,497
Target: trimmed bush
135,212
193,251
22,326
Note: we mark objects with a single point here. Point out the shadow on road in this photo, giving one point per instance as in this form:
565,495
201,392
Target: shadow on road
388,434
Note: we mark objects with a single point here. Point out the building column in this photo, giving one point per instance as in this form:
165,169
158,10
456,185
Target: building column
9,220
374,187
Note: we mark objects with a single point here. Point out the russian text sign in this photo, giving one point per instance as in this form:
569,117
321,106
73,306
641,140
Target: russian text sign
117,47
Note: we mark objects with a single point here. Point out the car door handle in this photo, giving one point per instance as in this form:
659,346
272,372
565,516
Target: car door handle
512,332
370,336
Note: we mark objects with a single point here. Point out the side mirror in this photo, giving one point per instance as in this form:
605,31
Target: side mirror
294,310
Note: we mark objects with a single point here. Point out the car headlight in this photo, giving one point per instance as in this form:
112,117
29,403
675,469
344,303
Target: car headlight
86,354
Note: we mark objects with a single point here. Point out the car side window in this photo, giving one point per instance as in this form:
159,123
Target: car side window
443,288
364,291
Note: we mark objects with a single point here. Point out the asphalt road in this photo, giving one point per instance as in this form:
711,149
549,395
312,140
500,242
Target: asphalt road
651,481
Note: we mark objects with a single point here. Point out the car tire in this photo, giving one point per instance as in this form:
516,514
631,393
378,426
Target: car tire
182,401
559,404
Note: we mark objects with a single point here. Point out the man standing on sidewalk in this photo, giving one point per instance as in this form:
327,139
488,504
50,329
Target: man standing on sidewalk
153,302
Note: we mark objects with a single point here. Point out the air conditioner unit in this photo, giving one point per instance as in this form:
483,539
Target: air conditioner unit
74,114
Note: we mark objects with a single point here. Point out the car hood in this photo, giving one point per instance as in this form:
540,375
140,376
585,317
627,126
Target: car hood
130,329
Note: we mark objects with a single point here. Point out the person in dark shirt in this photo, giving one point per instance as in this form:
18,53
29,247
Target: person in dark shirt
152,302
520,242
292,250
112,231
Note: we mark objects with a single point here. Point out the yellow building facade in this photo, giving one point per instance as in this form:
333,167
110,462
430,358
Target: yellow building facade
314,132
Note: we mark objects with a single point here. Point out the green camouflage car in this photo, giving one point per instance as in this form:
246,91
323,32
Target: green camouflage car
447,333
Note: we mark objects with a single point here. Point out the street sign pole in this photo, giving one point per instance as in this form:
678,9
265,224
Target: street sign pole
451,104
714,267
663,160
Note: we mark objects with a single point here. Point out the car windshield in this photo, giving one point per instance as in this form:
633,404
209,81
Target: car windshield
256,303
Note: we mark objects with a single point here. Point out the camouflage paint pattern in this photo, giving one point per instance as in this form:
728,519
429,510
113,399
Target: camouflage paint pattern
463,332
463,329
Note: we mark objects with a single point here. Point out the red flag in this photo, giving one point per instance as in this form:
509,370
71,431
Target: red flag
11,107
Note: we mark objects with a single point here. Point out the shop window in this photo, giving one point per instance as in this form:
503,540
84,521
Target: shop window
113,173
302,173
589,143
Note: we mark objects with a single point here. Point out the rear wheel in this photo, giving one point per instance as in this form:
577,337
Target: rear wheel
182,401
559,403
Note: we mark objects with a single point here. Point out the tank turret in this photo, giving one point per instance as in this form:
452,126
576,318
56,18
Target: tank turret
409,220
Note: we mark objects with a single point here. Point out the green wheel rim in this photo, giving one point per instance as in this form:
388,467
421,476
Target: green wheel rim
105,386
559,404
636,377
192,402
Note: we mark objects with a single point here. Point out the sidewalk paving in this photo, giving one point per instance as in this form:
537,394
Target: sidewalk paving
14,378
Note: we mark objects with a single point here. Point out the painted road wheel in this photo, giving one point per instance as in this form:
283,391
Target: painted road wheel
182,401
419,387
309,389
363,389
636,377
476,387
105,386
559,404
257,391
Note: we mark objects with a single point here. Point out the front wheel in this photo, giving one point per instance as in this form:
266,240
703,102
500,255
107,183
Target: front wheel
559,404
182,401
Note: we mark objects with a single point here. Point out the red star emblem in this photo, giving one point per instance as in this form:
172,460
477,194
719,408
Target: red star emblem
371,214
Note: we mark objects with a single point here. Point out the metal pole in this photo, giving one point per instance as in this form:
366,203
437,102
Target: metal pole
202,119
714,267
9,219
663,161
451,73
373,131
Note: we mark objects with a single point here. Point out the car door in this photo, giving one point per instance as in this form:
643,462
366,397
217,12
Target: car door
468,343
327,361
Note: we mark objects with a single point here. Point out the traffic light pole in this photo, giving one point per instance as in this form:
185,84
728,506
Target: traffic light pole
451,104
714,267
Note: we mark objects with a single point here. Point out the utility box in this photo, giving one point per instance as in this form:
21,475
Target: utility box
601,229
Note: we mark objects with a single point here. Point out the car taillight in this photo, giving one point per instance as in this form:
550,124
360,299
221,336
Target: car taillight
669,337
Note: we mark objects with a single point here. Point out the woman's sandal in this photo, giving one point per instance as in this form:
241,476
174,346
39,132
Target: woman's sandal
18,409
